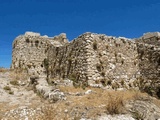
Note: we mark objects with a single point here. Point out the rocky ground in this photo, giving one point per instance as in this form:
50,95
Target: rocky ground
22,101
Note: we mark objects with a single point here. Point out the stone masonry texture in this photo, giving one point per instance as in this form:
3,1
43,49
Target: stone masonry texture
93,58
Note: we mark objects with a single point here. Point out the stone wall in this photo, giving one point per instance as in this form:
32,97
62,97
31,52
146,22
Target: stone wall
150,38
30,50
92,58
112,60
149,59
70,60
95,58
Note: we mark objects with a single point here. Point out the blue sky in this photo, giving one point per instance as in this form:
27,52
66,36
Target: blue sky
128,18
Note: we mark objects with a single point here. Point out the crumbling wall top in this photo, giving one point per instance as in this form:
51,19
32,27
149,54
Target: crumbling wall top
150,35
32,34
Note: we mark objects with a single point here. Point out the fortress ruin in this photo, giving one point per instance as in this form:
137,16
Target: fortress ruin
90,58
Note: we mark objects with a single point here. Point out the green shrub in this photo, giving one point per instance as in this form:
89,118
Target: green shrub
95,45
115,85
122,62
99,67
73,77
7,88
122,82
103,81
103,73
107,47
11,92
109,82
14,82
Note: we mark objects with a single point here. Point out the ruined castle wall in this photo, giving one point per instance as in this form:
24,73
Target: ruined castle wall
95,57
150,38
112,59
69,61
30,50
28,53
149,56
149,59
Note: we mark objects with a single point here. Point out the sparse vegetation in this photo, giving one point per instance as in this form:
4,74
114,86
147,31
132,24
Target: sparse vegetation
27,40
14,82
3,70
115,104
48,113
11,92
99,67
111,102
115,54
18,74
107,47
46,65
95,45
115,85
122,82
75,77
122,61
103,73
103,81
109,82
7,88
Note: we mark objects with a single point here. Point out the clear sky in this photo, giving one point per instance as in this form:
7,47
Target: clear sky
128,18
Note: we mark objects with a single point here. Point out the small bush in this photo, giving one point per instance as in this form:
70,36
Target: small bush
99,67
103,81
46,63
84,85
109,82
7,88
103,73
122,82
69,60
48,113
115,54
97,81
73,77
115,85
2,69
14,82
11,92
107,47
27,40
95,45
122,62
115,104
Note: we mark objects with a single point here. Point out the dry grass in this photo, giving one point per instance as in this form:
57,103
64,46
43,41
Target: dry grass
16,75
69,89
49,112
98,102
115,104
7,88
5,107
2,70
